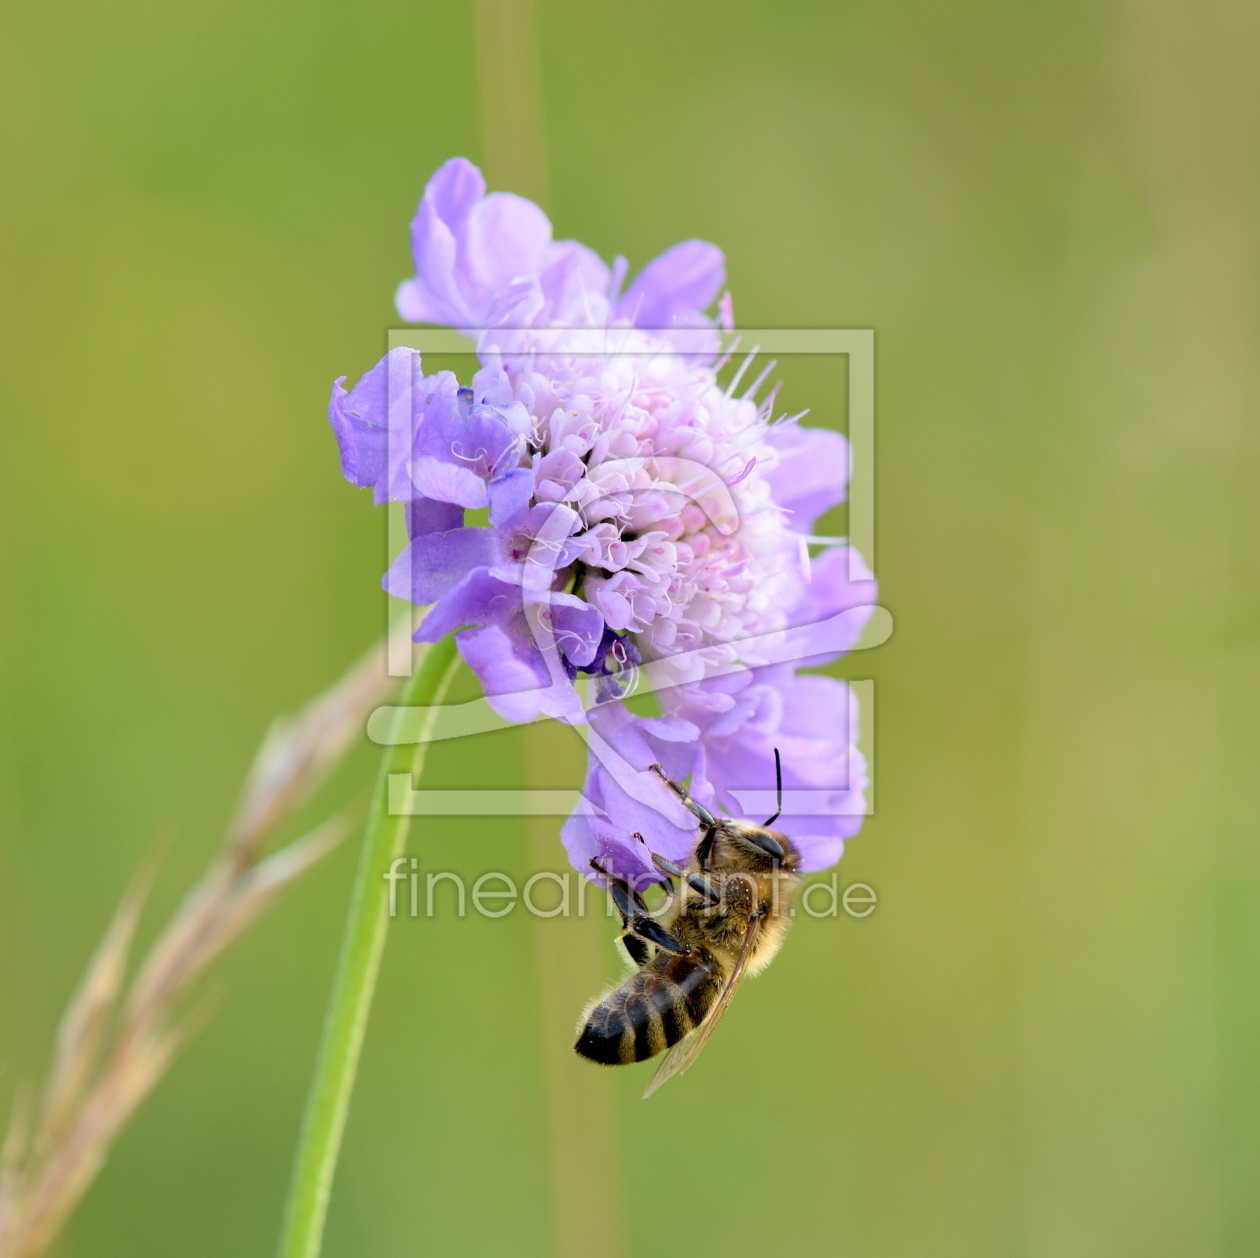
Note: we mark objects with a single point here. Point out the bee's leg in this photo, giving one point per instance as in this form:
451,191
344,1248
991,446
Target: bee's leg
704,849
638,950
650,929
634,913
628,901
697,882
699,811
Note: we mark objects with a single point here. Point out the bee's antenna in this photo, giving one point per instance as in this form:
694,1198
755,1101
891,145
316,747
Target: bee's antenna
778,789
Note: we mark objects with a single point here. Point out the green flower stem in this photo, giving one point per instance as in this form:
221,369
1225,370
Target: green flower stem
384,838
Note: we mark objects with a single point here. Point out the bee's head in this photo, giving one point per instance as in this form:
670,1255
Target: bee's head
757,847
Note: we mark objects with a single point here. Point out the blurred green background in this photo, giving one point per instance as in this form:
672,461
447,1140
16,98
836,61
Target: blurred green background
1046,1040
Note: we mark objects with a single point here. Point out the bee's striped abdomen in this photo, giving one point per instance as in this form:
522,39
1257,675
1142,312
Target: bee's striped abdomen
651,1011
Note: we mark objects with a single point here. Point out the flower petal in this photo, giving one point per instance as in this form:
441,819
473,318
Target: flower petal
448,482
427,515
514,306
509,495
454,189
673,290
514,675
479,441
505,238
633,800
610,838
813,472
575,283
434,298
833,608
361,442
477,599
378,421
579,628
510,671
432,564
449,197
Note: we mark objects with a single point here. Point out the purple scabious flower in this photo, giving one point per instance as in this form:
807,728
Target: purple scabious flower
488,261
640,522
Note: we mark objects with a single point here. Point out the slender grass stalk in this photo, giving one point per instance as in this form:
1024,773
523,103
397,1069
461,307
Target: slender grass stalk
117,1040
571,964
328,1102
509,78
583,1136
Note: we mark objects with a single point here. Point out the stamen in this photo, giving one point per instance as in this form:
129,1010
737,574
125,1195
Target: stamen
743,367
727,354
756,384
619,269
823,541
464,458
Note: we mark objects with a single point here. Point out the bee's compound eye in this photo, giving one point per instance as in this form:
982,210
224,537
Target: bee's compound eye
768,844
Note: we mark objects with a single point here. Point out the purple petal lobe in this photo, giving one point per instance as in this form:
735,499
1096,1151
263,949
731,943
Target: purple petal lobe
514,675
812,474
416,304
514,306
504,665
477,599
456,186
448,482
483,261
632,798
434,563
427,515
609,838
480,441
362,443
834,606
509,495
820,851
574,282
675,288
434,296
578,627
505,239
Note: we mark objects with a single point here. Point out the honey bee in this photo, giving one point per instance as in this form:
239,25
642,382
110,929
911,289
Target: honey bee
727,918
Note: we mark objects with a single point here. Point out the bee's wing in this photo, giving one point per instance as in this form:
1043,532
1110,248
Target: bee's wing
687,1050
